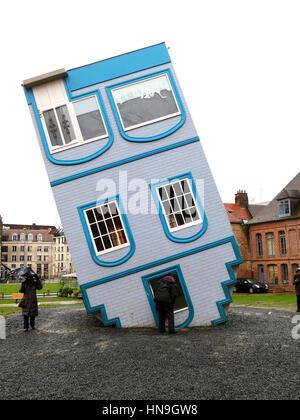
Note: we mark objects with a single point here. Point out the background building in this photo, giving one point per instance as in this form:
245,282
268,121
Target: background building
275,238
31,245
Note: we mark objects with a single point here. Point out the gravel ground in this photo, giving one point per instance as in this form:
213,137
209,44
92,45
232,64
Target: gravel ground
70,356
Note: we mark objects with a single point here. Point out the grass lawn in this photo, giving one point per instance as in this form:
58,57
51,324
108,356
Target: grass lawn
40,300
269,300
8,289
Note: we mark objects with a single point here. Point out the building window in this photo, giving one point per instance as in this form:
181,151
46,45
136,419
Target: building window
29,249
22,237
284,208
46,249
282,241
29,258
39,249
285,274
30,237
4,249
39,269
13,265
4,258
179,205
106,227
89,118
270,244
259,245
22,248
273,274
39,258
14,237
294,268
145,101
39,237
14,248
14,258
22,258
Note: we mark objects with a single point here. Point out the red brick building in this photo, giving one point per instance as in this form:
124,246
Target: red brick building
239,217
275,238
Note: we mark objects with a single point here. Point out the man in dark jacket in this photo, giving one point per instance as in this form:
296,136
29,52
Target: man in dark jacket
29,286
296,283
165,296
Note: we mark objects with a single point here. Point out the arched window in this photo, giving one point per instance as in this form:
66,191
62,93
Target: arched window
30,237
39,237
14,237
22,237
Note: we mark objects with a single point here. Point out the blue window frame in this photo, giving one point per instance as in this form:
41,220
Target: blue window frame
106,228
179,206
138,94
285,273
259,245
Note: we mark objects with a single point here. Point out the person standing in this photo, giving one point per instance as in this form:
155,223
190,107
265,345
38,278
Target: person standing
296,283
29,302
165,296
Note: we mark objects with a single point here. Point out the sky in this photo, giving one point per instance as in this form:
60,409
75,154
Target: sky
238,64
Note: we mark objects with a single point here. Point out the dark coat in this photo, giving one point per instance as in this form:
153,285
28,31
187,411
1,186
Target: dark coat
166,291
29,288
296,283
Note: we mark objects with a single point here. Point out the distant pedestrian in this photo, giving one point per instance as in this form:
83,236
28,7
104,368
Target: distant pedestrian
296,283
165,296
31,283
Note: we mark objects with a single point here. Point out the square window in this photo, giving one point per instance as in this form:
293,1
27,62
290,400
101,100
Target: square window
107,232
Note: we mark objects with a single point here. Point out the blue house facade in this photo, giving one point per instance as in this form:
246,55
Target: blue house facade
133,189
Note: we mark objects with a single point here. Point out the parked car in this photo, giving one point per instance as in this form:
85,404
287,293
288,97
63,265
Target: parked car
250,286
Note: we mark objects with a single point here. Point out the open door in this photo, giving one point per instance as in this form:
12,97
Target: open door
183,308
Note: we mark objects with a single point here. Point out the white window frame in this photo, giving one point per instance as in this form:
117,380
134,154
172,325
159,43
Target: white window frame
114,248
185,225
78,141
39,237
176,114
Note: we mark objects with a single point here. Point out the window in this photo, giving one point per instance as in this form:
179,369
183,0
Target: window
46,249
39,237
285,274
46,258
282,241
4,249
270,244
179,205
29,258
13,265
144,102
39,249
259,245
22,258
29,249
106,227
22,237
68,124
14,237
89,118
284,208
30,237
4,258
39,258
273,274
14,248
22,248
14,258
39,269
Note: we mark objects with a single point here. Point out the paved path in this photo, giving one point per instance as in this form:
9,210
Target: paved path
70,356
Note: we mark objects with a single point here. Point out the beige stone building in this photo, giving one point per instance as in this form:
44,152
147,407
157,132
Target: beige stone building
30,245
63,262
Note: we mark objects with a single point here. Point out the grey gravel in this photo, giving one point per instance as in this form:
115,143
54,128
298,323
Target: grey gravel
70,356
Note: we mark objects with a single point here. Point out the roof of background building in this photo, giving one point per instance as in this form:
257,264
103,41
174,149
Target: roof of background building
269,213
235,213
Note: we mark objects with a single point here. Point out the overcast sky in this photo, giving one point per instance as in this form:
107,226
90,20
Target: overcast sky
238,63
